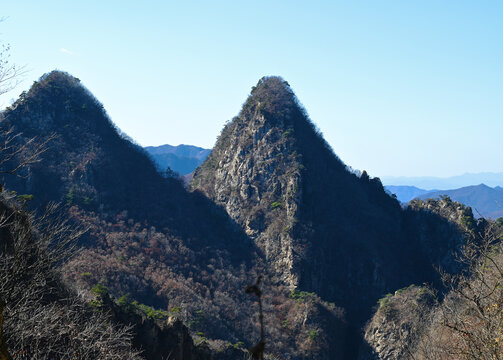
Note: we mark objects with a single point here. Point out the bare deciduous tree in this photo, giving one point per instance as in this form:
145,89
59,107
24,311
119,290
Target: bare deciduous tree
468,324
15,153
44,319
474,310
10,74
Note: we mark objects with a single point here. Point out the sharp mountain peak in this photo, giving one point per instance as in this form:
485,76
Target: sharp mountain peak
54,85
61,77
274,99
273,89
59,102
276,176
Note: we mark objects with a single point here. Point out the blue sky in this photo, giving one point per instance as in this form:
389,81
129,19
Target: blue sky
397,87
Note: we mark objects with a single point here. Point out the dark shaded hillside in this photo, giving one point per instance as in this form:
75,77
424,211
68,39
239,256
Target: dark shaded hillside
45,317
169,237
91,165
322,228
183,159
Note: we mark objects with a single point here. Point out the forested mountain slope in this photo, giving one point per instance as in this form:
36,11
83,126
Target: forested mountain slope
151,242
271,200
92,165
41,317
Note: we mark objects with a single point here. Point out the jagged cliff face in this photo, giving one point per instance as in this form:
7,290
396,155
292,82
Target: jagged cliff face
321,227
400,321
255,173
277,177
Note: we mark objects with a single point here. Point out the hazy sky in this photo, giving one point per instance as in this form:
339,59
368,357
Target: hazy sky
397,87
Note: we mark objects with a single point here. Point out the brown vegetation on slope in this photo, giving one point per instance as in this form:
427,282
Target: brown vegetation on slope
43,317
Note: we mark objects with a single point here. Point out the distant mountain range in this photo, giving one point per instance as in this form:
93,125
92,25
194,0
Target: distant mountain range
405,193
484,200
453,182
183,159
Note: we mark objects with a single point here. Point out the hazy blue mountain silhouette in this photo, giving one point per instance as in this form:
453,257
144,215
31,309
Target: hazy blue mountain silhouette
485,201
447,183
405,193
183,159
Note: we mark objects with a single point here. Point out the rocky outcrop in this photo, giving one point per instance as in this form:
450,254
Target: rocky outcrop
404,323
163,339
449,221
398,324
255,173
